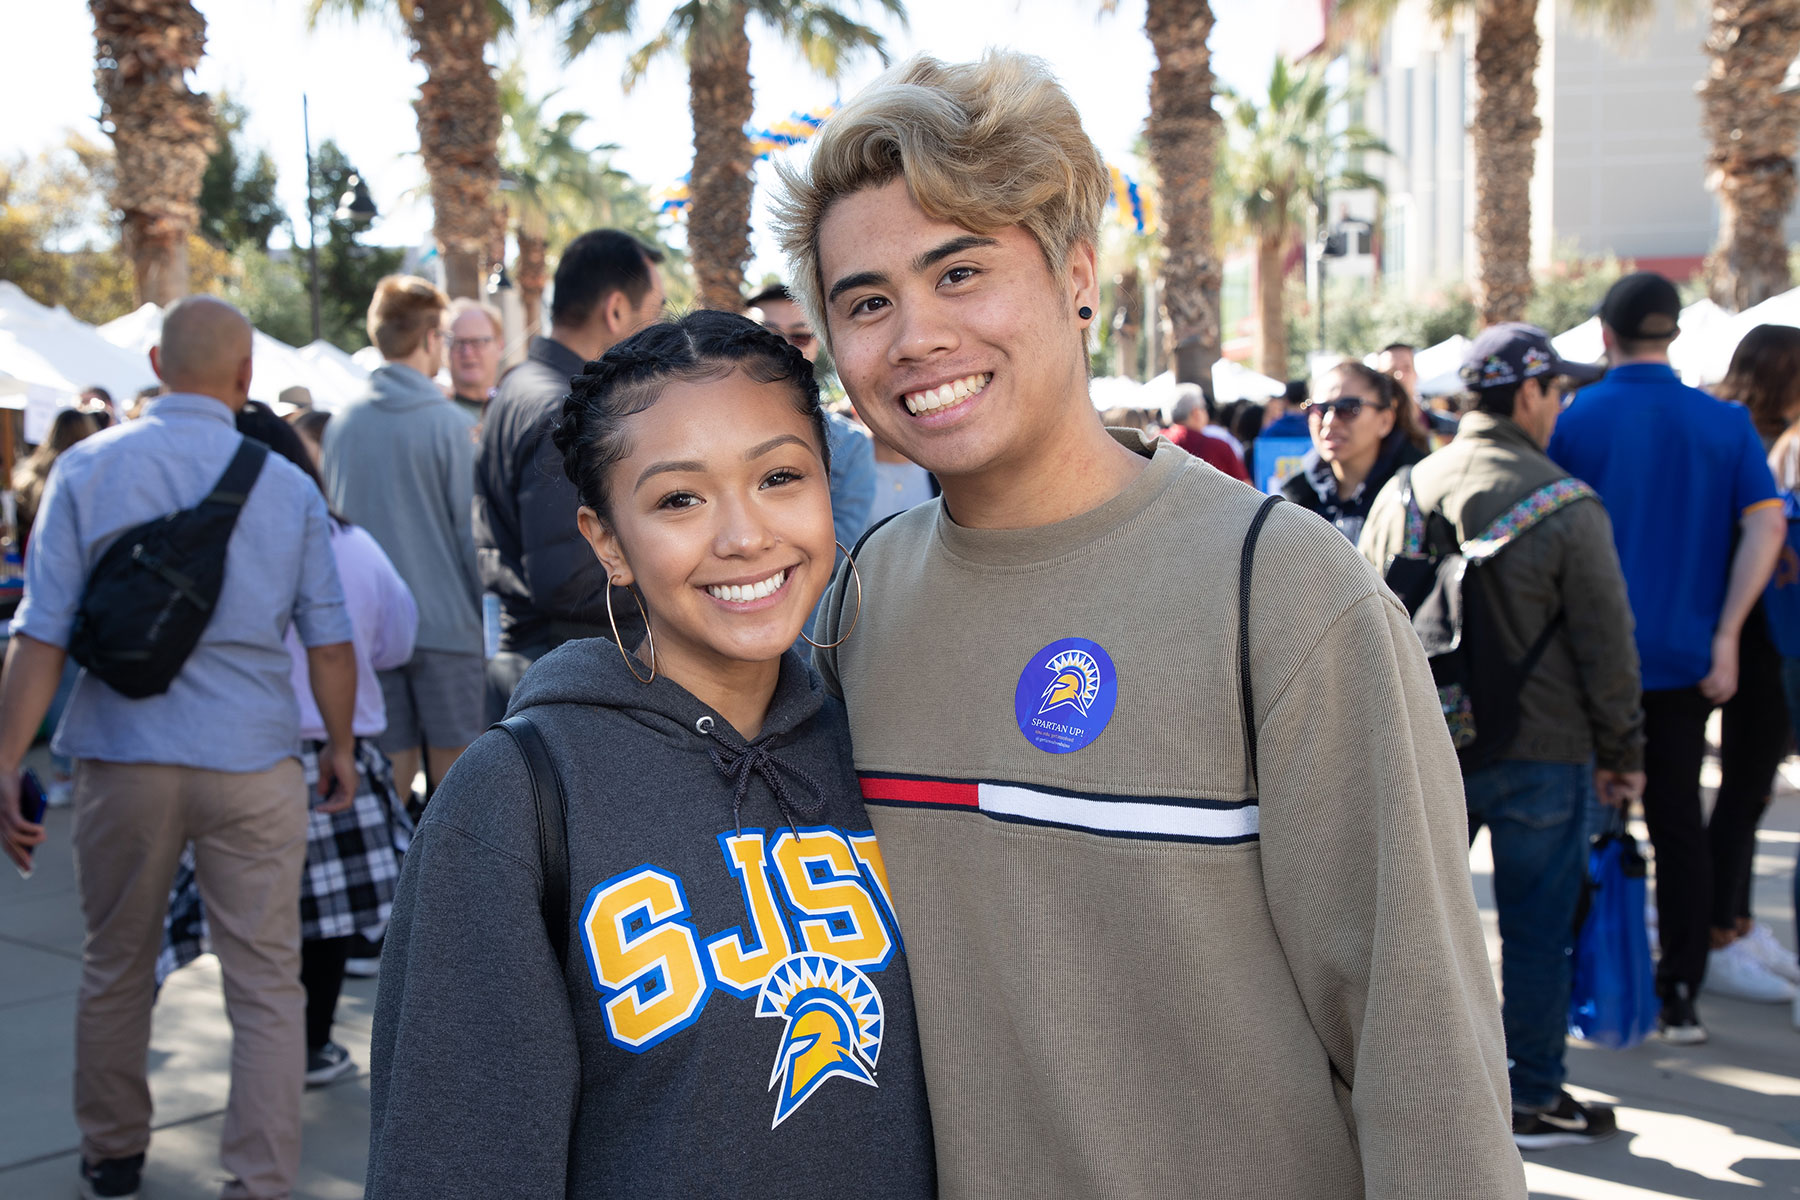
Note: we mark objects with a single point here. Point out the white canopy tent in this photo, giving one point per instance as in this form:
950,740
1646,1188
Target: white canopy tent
1581,344
275,365
336,368
1703,324
1115,391
1722,339
50,348
1439,367
1233,381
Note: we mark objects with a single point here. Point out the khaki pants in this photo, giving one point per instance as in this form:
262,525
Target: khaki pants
249,835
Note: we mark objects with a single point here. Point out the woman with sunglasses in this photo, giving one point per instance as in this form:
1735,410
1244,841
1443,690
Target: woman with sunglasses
1364,429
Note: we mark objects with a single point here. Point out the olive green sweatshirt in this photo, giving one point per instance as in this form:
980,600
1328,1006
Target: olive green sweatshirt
1140,972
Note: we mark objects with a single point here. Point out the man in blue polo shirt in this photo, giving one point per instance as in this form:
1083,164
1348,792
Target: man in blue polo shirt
1680,473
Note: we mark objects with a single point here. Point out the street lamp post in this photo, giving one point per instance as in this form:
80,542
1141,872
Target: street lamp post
312,216
355,208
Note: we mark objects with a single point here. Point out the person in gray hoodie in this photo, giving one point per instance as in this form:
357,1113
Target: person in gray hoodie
723,1007
400,462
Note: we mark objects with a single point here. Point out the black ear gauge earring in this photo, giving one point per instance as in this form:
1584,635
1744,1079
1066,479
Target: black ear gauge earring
1084,312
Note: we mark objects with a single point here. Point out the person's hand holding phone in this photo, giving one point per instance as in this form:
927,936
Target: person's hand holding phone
20,832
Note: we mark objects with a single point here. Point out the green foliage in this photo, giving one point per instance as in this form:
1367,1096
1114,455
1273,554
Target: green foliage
1283,157
51,208
1571,291
238,205
823,34
348,270
557,185
272,294
1358,323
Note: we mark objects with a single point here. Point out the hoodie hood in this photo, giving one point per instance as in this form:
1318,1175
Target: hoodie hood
592,672
399,388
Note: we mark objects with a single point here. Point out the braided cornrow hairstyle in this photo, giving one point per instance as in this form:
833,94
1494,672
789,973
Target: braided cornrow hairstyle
630,377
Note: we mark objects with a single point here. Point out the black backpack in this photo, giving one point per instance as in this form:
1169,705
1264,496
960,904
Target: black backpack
1440,581
148,599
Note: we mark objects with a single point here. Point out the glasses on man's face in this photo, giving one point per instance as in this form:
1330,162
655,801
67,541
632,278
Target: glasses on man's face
798,337
1348,408
470,343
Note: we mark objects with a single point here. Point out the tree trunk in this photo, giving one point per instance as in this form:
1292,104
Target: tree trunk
161,131
459,129
718,216
1184,136
1505,133
1271,325
533,274
1752,130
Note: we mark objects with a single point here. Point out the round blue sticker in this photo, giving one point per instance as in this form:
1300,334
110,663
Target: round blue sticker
1066,695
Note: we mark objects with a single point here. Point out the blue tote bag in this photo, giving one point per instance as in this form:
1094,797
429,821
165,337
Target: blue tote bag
1612,1000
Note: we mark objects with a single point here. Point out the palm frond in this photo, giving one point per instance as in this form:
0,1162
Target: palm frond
671,38
825,35
1620,18
587,21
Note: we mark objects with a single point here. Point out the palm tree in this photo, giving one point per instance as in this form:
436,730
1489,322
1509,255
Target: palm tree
1183,132
713,36
1505,128
1282,160
556,188
162,132
459,123
1752,125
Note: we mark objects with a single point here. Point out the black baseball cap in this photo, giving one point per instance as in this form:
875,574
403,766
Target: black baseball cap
1643,305
1509,354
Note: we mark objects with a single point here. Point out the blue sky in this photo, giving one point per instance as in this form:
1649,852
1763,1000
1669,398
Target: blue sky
361,83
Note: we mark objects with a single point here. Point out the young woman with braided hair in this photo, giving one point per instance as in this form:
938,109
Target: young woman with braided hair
723,1007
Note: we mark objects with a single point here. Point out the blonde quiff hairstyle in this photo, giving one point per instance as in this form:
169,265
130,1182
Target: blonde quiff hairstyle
983,145
404,309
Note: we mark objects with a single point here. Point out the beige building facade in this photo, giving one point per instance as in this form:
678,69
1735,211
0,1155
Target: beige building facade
1620,160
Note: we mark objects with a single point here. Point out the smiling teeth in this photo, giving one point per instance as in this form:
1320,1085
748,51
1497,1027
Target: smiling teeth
744,593
943,396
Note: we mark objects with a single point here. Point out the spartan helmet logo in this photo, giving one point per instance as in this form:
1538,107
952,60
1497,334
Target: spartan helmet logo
834,1021
1074,682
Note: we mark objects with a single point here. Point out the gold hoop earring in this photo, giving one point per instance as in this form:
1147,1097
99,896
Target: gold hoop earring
620,642
855,617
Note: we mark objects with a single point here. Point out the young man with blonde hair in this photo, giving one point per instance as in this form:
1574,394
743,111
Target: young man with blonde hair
400,462
1155,941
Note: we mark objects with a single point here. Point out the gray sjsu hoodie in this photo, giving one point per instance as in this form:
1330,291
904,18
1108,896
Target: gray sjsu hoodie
735,1018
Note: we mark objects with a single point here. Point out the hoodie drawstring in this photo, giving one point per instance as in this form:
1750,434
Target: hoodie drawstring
737,765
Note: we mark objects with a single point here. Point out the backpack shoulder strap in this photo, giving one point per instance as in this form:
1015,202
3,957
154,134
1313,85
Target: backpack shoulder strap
1508,526
1413,545
552,822
234,485
1245,566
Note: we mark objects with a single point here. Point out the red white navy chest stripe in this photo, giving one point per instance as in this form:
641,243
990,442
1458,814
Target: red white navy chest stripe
1187,819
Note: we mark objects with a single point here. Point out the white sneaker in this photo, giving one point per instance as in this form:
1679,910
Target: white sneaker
1769,951
1735,971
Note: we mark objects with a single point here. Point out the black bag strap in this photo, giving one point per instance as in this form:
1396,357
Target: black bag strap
1244,568
553,829
234,485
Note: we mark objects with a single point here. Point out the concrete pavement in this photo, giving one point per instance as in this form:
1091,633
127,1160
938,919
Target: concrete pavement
1714,1122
